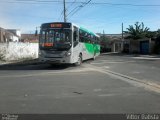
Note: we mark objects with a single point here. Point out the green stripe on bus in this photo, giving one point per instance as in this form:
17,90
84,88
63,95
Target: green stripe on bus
81,28
97,48
89,48
92,48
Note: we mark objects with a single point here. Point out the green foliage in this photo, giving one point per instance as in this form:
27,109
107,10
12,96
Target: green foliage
104,39
152,35
138,31
158,33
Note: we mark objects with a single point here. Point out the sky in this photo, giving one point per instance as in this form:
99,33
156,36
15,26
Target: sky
26,15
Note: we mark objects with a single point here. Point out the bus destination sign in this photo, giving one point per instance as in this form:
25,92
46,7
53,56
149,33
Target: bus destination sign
56,25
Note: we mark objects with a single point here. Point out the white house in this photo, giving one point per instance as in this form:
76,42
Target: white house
16,34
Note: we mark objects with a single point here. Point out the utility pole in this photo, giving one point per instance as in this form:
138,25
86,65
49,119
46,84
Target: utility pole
64,4
122,31
103,36
122,45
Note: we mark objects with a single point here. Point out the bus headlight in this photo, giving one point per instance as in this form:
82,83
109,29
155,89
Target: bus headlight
68,53
40,53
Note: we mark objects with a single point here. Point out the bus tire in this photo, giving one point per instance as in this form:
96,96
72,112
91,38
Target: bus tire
79,62
94,56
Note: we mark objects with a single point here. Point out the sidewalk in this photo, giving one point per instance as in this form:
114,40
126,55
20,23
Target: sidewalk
147,57
135,56
19,63
2,63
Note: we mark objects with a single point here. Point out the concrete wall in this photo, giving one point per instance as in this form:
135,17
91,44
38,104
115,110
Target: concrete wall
152,45
18,51
117,46
2,33
134,45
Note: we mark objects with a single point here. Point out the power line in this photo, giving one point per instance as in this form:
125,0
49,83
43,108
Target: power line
32,2
80,7
123,4
72,4
73,10
92,3
76,9
61,15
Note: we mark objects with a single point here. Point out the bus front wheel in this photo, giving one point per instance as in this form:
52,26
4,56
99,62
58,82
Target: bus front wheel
79,62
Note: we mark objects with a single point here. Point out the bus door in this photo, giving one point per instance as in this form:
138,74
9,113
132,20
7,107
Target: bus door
76,46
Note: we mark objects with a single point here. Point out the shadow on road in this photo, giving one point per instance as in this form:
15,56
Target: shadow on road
33,65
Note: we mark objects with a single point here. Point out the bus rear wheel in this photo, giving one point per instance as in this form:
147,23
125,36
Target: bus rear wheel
94,56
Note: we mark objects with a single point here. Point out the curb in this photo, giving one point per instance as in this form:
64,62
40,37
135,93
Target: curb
20,63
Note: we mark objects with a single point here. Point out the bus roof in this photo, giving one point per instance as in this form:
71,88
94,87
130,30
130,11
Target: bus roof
82,28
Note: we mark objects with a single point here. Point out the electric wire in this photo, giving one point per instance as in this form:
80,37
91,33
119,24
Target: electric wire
77,2
76,9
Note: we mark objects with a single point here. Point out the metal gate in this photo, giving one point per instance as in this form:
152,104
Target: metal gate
144,47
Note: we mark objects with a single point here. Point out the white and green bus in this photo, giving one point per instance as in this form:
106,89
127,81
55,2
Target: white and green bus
61,42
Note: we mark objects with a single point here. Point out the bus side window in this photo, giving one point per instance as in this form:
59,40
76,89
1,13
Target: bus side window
80,36
93,39
98,41
88,38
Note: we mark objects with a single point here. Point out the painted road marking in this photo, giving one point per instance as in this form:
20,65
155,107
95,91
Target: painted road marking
107,95
88,68
146,58
106,67
97,90
105,62
136,82
66,72
136,72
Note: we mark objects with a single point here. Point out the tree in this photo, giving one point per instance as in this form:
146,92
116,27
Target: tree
104,41
138,31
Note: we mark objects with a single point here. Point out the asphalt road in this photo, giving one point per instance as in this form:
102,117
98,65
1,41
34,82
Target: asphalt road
110,84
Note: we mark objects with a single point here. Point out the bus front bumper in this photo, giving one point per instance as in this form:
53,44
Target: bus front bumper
66,60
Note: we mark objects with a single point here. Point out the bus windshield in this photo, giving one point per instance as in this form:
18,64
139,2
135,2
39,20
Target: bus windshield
55,38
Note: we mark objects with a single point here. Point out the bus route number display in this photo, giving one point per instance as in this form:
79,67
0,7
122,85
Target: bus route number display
56,26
